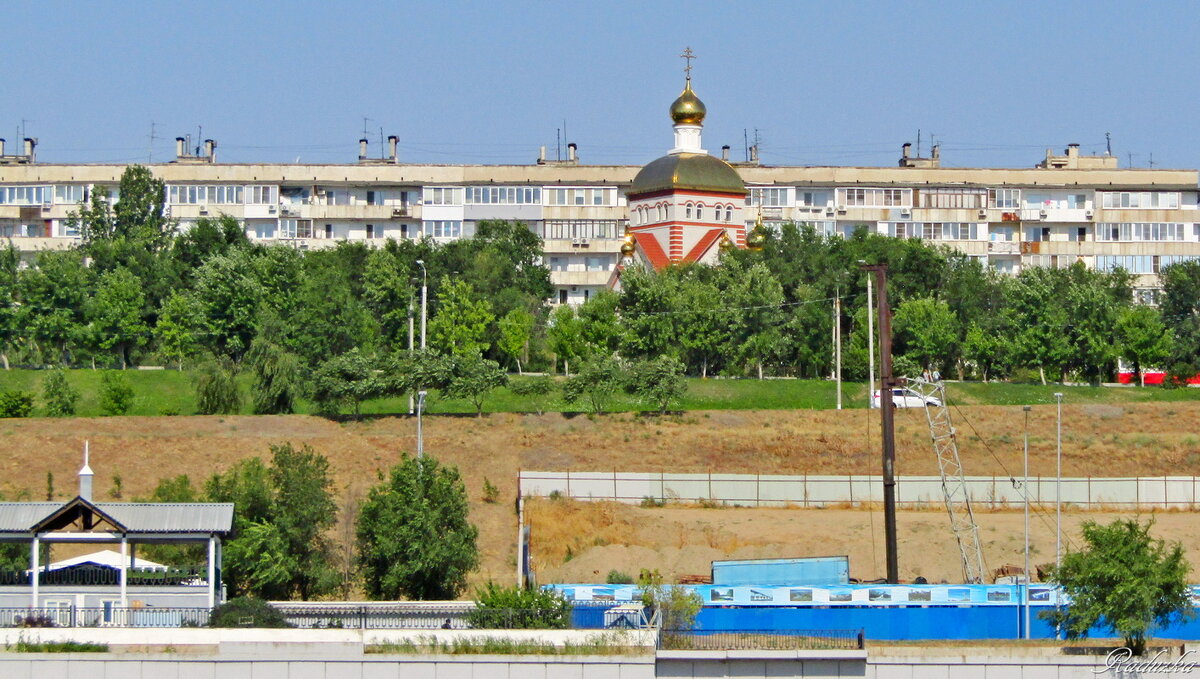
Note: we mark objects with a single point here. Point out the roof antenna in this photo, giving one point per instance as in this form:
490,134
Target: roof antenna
918,142
1108,143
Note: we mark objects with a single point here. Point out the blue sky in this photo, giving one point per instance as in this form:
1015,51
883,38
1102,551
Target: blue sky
464,82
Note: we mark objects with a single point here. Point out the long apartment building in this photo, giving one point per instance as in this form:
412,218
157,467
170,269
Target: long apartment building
1068,208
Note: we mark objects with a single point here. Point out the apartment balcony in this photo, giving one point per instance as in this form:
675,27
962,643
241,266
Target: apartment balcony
580,277
378,213
585,245
1003,247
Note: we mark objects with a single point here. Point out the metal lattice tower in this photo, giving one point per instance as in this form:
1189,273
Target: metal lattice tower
954,485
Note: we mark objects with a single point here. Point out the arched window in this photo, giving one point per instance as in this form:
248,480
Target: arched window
688,211
662,212
700,211
729,213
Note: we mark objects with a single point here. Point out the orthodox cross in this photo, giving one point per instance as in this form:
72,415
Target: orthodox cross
688,55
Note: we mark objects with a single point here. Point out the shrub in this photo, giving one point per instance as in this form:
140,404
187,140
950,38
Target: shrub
217,391
16,403
246,612
616,577
536,389
59,395
490,492
516,608
116,394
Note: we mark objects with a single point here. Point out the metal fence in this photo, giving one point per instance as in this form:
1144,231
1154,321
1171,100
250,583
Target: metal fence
760,640
101,575
103,616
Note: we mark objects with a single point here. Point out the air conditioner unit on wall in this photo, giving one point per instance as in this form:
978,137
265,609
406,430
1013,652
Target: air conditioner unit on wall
983,214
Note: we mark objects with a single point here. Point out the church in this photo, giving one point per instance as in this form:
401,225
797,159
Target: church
687,205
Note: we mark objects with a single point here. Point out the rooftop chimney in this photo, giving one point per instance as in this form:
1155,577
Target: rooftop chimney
180,147
392,140
542,155
906,150
937,151
571,149
754,153
725,153
1,146
1072,150
30,143
85,476
362,149
210,150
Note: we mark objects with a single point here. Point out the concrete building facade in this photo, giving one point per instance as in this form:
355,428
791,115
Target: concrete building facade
1068,208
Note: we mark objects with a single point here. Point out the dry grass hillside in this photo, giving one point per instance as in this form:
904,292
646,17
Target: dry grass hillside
1098,440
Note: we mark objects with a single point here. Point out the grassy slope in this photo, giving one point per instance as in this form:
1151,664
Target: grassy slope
160,392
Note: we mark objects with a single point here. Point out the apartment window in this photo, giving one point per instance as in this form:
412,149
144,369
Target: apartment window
559,229
1136,264
973,199
1076,201
562,296
70,194
1008,266
504,195
1005,198
951,231
812,198
1139,231
875,197
581,196
558,263
262,195
903,229
444,228
596,263
443,195
1002,233
777,197
1168,260
1079,234
193,194
1040,233
25,195
370,230
1164,200
264,229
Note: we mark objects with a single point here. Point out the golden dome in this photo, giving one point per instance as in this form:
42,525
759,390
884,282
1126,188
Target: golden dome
758,235
726,244
687,171
688,109
627,248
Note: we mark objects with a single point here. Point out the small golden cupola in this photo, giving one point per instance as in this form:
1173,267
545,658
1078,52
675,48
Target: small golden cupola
758,235
687,109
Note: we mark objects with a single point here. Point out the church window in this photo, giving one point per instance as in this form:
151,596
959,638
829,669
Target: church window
729,213
688,212
700,211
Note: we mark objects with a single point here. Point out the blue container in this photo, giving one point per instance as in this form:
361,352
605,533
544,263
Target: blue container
817,570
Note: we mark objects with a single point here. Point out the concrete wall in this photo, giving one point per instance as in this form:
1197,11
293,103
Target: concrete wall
754,490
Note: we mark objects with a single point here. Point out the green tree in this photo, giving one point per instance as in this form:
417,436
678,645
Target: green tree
413,536
177,328
11,330
14,403
1181,312
564,333
1036,312
116,393
596,381
329,319
516,327
60,397
461,324
217,389
987,350
519,608
473,378
535,389
388,294
758,299
303,512
599,326
275,374
205,238
657,382
1144,339
53,295
928,331
1124,581
174,489
228,293
347,379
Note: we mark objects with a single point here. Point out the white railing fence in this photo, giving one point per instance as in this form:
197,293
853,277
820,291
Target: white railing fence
807,490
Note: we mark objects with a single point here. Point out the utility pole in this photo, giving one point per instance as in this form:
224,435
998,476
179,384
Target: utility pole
424,299
837,345
410,346
871,344
886,382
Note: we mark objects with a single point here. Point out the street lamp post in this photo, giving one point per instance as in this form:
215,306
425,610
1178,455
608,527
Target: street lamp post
1025,488
424,299
420,433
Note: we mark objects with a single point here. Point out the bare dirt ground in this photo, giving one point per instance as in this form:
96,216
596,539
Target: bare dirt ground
602,536
1098,440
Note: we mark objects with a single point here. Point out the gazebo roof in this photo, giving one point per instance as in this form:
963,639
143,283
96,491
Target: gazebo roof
163,518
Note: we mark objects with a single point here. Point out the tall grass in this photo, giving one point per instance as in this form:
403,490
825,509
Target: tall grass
606,643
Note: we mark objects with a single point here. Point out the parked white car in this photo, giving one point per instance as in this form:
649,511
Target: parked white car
903,397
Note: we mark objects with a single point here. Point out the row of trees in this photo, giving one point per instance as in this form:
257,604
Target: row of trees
409,537
138,290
